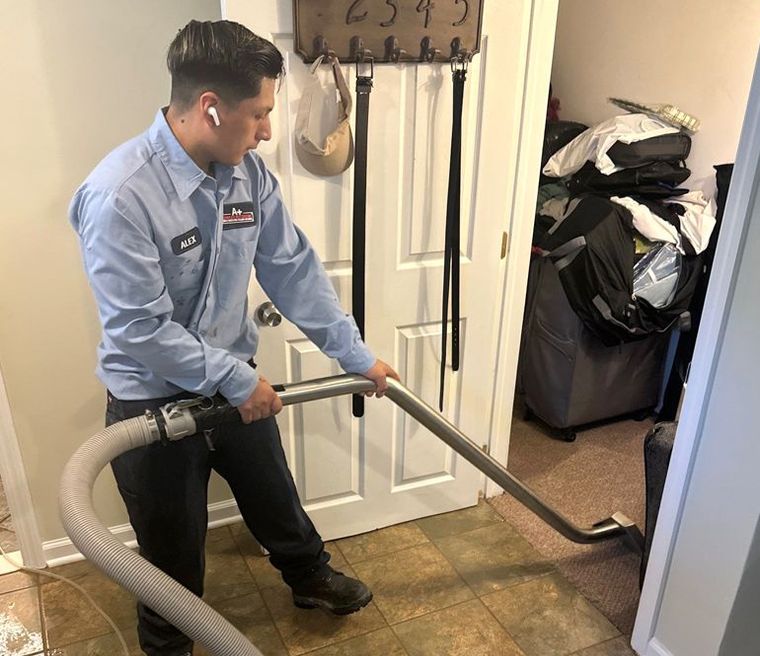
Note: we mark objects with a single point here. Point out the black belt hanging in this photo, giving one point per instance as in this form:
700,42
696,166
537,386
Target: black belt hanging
452,243
363,89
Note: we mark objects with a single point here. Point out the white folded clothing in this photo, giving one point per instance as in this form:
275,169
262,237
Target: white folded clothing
698,222
594,143
649,224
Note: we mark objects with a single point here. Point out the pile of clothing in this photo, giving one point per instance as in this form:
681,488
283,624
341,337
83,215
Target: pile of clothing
625,237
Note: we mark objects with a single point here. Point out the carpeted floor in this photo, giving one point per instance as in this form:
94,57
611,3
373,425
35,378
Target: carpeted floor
587,480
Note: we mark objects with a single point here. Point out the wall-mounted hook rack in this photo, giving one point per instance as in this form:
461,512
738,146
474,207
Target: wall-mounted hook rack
398,31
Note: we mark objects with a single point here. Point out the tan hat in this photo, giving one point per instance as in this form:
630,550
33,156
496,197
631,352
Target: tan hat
337,152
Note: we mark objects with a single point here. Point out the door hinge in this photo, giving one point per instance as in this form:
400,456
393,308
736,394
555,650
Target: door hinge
504,244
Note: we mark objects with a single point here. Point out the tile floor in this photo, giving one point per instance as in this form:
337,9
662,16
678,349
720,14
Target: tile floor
465,584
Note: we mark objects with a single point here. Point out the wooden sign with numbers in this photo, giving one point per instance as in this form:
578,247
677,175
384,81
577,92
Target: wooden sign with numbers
388,30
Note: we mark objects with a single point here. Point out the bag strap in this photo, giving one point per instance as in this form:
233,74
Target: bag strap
363,89
452,248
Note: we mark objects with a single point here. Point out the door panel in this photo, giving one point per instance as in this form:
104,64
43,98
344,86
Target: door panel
358,474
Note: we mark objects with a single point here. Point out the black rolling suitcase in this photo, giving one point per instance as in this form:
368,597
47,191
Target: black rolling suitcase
658,445
568,376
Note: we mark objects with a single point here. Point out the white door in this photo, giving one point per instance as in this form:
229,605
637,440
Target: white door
356,475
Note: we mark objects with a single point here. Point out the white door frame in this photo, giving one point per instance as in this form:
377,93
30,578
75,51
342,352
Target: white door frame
13,474
745,184
529,125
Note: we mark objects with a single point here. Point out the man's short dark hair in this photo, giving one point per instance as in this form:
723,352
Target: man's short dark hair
220,56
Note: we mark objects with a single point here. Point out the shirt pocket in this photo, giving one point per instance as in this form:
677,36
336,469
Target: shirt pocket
233,272
184,272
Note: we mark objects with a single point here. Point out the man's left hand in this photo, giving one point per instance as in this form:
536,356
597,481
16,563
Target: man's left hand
377,373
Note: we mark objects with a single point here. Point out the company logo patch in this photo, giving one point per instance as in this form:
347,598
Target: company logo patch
238,215
186,241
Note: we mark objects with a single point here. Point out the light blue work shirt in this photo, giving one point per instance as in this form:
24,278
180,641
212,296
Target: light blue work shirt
168,251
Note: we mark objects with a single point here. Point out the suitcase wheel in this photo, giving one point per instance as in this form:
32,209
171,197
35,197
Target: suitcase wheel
568,434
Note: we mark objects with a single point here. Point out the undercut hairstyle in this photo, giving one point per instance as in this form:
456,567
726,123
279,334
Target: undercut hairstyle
220,56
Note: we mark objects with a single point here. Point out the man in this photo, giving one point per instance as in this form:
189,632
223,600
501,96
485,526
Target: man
170,225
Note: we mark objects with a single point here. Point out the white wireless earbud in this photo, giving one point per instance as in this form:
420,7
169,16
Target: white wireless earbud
211,111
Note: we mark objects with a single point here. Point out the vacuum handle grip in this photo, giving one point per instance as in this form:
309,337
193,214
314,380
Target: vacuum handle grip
221,413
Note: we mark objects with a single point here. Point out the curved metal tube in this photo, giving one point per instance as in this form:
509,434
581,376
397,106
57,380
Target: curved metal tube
188,612
618,525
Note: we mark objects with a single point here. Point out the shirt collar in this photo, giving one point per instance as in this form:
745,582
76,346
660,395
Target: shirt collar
239,172
185,174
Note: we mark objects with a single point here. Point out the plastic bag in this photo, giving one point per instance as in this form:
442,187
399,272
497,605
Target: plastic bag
655,275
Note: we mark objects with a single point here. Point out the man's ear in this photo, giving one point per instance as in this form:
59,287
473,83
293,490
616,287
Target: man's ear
208,104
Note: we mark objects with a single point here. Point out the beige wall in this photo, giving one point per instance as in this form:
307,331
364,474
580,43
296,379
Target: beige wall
698,55
79,78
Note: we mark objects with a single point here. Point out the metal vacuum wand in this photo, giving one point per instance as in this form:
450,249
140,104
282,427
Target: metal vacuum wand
187,417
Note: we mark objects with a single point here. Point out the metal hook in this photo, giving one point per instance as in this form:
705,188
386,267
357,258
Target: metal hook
458,52
321,48
393,52
358,51
427,52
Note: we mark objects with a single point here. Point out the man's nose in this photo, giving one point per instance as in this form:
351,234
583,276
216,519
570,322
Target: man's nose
264,133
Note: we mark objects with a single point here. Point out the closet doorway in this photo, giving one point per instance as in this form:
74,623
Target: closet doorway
607,50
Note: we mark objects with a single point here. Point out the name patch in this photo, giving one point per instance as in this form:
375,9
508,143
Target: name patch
238,215
186,241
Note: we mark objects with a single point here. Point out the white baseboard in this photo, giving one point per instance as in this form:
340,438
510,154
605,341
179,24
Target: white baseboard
62,551
656,648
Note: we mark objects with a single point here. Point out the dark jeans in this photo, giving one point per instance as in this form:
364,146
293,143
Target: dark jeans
164,487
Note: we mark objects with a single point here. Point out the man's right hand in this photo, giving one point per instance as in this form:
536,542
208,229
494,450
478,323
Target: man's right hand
263,402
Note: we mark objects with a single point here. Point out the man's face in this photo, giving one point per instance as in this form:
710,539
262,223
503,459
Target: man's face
244,125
